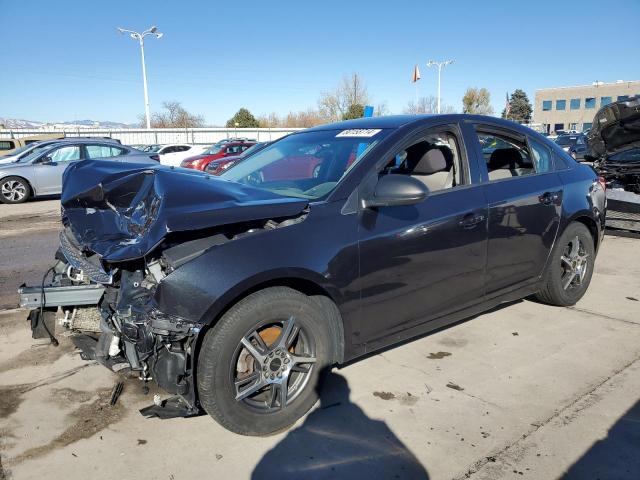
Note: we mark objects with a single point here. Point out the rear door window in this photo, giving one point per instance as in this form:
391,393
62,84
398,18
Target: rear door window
103,151
505,156
68,153
542,159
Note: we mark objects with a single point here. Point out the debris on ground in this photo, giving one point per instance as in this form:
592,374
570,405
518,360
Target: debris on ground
438,355
116,392
384,395
455,386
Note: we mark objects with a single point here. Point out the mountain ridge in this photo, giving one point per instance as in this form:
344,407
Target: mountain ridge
11,123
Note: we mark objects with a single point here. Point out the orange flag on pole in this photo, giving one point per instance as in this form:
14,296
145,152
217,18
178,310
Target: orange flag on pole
416,74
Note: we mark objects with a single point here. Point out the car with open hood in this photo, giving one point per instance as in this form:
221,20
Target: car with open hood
237,293
614,147
614,144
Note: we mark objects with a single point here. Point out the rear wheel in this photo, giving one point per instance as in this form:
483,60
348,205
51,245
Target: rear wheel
570,267
259,367
14,190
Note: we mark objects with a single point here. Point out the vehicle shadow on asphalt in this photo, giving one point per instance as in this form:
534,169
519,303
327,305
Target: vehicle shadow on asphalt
338,440
617,455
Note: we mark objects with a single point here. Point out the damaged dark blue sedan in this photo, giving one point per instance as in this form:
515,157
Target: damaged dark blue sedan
236,293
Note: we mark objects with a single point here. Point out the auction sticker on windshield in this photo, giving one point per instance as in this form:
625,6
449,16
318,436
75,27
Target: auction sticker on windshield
359,132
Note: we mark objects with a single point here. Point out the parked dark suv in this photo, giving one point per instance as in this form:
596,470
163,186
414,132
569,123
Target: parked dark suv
236,293
574,144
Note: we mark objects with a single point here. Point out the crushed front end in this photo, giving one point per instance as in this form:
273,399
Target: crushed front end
115,321
126,231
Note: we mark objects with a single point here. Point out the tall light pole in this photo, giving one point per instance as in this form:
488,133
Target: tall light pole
431,63
140,37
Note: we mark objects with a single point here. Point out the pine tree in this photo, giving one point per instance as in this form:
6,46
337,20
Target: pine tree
355,111
243,119
520,108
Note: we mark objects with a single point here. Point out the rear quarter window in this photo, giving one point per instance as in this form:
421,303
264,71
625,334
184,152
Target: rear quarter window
562,159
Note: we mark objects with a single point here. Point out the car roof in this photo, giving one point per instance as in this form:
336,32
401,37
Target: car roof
397,121
80,140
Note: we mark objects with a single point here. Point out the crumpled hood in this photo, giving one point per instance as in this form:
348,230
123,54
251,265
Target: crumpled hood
615,127
123,211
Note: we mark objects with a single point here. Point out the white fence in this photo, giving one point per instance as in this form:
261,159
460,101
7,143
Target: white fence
130,136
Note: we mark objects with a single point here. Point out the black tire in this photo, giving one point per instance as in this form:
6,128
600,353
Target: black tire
554,283
219,359
14,190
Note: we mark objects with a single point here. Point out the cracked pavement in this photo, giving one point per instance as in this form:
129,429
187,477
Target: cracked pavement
524,391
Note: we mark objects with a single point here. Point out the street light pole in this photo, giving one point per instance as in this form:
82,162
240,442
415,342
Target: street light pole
431,63
140,37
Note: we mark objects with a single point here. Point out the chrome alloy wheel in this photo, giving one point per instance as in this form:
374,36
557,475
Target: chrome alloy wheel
13,190
272,365
575,264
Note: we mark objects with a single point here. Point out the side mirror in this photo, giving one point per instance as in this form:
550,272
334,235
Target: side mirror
394,189
46,160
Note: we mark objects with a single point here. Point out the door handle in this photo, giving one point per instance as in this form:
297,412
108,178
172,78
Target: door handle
471,220
549,198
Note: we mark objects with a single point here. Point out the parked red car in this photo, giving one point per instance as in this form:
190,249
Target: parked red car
219,150
292,168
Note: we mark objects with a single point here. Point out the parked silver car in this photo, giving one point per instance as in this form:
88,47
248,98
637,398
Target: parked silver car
40,172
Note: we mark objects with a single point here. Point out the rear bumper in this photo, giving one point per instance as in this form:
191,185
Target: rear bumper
623,210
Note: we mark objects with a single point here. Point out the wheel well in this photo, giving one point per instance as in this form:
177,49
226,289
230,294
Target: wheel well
592,226
307,287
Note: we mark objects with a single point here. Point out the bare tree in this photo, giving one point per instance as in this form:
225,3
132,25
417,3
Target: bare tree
302,119
427,104
174,116
478,101
422,105
335,104
381,110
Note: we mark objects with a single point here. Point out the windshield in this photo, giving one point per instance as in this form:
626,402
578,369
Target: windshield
306,165
34,153
213,150
152,148
629,156
566,141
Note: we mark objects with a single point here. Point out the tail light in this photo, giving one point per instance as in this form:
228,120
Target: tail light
219,166
603,183
195,163
155,157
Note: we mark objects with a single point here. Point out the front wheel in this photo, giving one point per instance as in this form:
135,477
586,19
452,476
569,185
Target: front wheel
14,190
259,367
570,267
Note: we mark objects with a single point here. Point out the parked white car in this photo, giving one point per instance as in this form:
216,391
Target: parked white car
173,154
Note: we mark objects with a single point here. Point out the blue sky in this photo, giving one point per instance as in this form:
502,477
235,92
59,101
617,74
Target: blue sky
64,60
